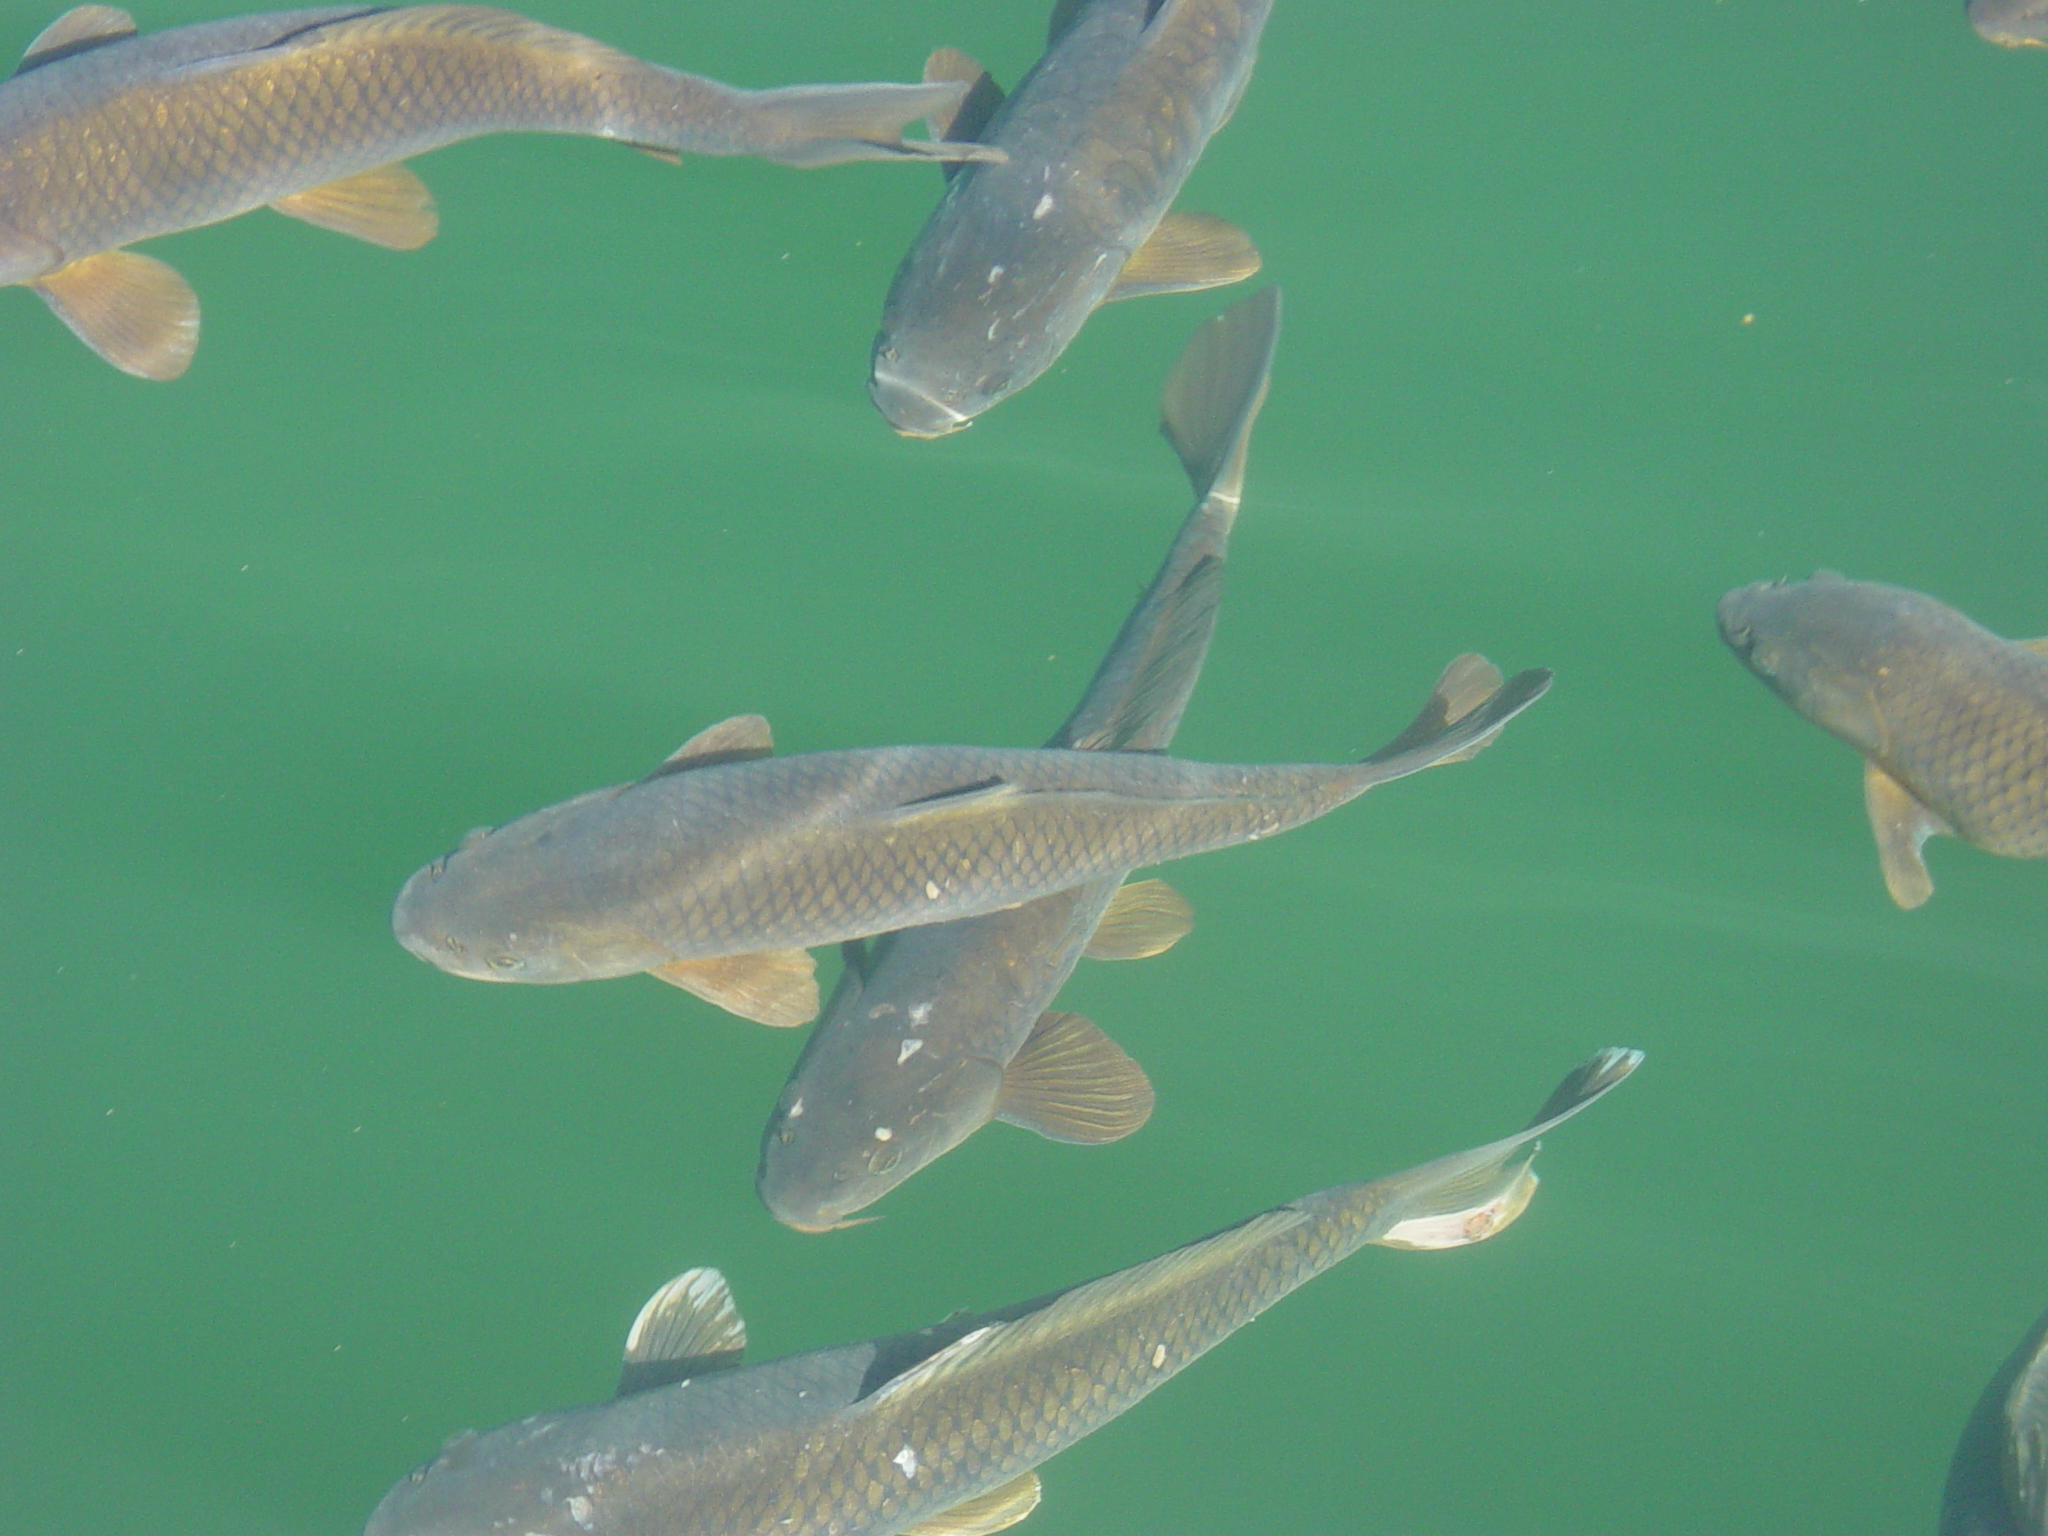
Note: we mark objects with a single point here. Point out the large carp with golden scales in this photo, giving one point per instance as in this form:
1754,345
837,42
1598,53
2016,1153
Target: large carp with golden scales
934,1432
107,138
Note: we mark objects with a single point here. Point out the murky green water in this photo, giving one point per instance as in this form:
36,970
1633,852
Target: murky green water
427,541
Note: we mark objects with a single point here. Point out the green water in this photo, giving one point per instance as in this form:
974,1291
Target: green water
426,541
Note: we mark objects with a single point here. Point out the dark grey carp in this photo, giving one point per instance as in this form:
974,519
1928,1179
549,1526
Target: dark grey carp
934,1432
1952,720
1998,1481
2011,23
1098,140
107,138
738,861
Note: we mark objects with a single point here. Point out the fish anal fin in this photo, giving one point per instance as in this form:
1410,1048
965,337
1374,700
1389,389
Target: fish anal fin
996,1510
1070,1082
687,1328
1187,252
133,310
740,739
1143,919
1473,1224
777,987
965,121
78,30
1901,824
387,206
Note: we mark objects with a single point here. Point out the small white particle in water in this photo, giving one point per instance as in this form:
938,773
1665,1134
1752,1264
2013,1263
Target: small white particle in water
908,1049
883,1133
579,1511
1158,1356
796,1109
1044,207
907,1460
931,890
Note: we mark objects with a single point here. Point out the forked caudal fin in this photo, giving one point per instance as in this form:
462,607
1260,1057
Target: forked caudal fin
1451,726
1213,395
834,124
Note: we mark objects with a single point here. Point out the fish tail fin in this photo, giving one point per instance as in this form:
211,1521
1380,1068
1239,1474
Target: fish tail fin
1464,713
1213,395
1467,1197
833,124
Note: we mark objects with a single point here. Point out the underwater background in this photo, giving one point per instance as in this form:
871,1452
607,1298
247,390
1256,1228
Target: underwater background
1593,311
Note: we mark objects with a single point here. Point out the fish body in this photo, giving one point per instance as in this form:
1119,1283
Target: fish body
772,854
937,1430
1952,720
2011,23
107,138
1098,139
1998,1482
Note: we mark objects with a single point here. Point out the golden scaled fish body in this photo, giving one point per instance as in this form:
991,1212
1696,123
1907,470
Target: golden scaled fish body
107,138
934,1432
1952,720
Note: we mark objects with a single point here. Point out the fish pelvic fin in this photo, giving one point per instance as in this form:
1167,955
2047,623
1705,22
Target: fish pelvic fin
387,206
1449,728
1470,1196
1901,825
1186,252
1070,1082
778,987
133,310
833,124
1143,919
967,120
1213,395
79,30
996,1510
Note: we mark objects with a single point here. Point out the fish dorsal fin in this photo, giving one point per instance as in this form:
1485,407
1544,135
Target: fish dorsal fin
78,30
2025,1472
1143,919
1071,1082
688,1328
1901,825
964,122
996,1510
133,310
1213,395
1187,252
777,987
387,206
741,739
974,799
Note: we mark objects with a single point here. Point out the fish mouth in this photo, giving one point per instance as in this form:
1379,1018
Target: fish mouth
911,411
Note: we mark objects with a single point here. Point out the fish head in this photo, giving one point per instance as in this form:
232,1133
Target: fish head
503,907
1827,646
485,1485
2011,23
846,1132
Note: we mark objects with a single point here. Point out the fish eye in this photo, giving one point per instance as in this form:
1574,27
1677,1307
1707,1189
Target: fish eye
505,962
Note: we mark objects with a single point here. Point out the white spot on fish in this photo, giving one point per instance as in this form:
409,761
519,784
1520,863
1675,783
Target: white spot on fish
919,1012
908,1049
796,1109
1045,206
579,1511
880,1010
931,890
995,272
907,1460
1158,1356
993,327
883,1133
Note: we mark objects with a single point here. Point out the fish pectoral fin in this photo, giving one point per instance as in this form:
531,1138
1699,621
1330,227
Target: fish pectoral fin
996,1510
740,739
1071,1082
388,206
2039,647
133,310
1901,825
78,30
778,987
688,1328
1187,252
965,120
1143,919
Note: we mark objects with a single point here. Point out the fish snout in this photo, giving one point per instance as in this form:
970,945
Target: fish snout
910,410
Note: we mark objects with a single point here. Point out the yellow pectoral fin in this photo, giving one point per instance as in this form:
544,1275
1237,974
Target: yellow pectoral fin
1901,824
1071,1082
1187,251
388,206
2038,647
133,310
1143,919
996,1510
778,987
